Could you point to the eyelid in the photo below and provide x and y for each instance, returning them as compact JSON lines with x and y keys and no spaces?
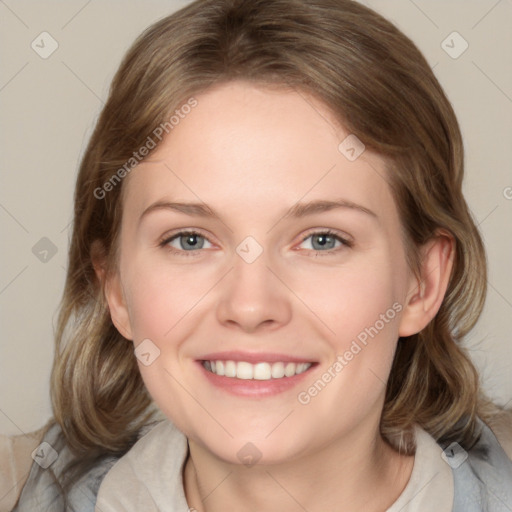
{"x":343,"y":237}
{"x":172,"y":235}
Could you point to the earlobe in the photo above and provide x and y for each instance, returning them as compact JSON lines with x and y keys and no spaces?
{"x":112,"y":289}
{"x":117,"y":305}
{"x":427,"y":293}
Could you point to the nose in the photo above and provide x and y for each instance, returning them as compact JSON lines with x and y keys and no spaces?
{"x":253,"y":298}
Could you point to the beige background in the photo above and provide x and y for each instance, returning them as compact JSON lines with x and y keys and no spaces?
{"x":48,"y":107}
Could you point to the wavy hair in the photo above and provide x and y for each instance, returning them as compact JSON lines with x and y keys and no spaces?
{"x":380,"y":87}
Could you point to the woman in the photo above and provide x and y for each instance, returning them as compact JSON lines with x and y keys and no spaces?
{"x":271,"y":245}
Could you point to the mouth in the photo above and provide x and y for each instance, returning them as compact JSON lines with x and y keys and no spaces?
{"x":257,"y":378}
{"x":262,"y":371}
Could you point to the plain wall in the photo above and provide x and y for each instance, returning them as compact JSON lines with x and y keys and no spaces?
{"x":48,"y":108}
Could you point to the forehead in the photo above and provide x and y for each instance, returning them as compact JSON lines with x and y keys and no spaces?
{"x":243,"y":145}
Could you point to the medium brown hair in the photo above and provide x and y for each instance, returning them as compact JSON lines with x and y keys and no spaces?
{"x":380,"y":88}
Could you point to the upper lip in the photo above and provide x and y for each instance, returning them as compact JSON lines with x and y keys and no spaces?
{"x":254,"y":357}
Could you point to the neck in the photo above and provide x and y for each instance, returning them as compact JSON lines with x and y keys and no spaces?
{"x":358,"y":472}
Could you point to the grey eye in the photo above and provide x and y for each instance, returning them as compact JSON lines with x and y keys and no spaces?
{"x":188,"y":241}
{"x":323,"y":241}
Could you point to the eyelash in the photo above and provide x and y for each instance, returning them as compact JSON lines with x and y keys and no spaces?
{"x":327,"y":232}
{"x":167,"y":239}
{"x":345,"y":243}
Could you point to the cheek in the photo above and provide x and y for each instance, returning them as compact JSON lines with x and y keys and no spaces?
{"x":362,"y":312}
{"x":161,"y":295}
{"x":367,"y":306}
{"x":349,"y":299}
{"x":360,"y":305}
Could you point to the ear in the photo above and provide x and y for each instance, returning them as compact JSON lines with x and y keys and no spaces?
{"x":426,"y":294}
{"x":113,"y":291}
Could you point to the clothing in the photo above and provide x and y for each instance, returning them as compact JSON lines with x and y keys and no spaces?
{"x":149,"y":478}
{"x":40,"y":492}
{"x":15,"y":464}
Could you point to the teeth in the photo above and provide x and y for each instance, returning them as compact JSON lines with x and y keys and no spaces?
{"x":230,"y":369}
{"x":277,"y":370}
{"x":259,"y":371}
{"x":262,"y":371}
{"x":244,"y":370}
{"x":289,"y":369}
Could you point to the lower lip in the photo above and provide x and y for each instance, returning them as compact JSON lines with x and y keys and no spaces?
{"x":254,"y":388}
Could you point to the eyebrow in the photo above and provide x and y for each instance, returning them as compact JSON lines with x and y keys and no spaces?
{"x":309,"y":208}
{"x":298,"y":210}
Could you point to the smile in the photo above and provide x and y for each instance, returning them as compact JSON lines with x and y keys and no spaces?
{"x":259,"y":371}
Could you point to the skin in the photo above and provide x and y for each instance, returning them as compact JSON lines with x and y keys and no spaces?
{"x":251,"y":153}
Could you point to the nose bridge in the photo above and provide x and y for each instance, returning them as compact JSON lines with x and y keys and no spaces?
{"x":252,"y":295}
{"x":251,"y":272}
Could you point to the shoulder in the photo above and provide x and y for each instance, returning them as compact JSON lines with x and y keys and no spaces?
{"x":15,"y":454}
{"x":501,"y":427}
{"x":42,"y":490}
{"x":483,"y":474}
{"x":145,"y":477}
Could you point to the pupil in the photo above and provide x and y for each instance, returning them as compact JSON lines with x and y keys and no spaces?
{"x":190,"y":241}
{"x":321,"y":241}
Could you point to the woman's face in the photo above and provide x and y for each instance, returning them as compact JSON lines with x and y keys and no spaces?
{"x":295,"y":265}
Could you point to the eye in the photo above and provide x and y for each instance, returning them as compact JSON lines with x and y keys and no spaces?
{"x":325,"y":241}
{"x":188,"y":241}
